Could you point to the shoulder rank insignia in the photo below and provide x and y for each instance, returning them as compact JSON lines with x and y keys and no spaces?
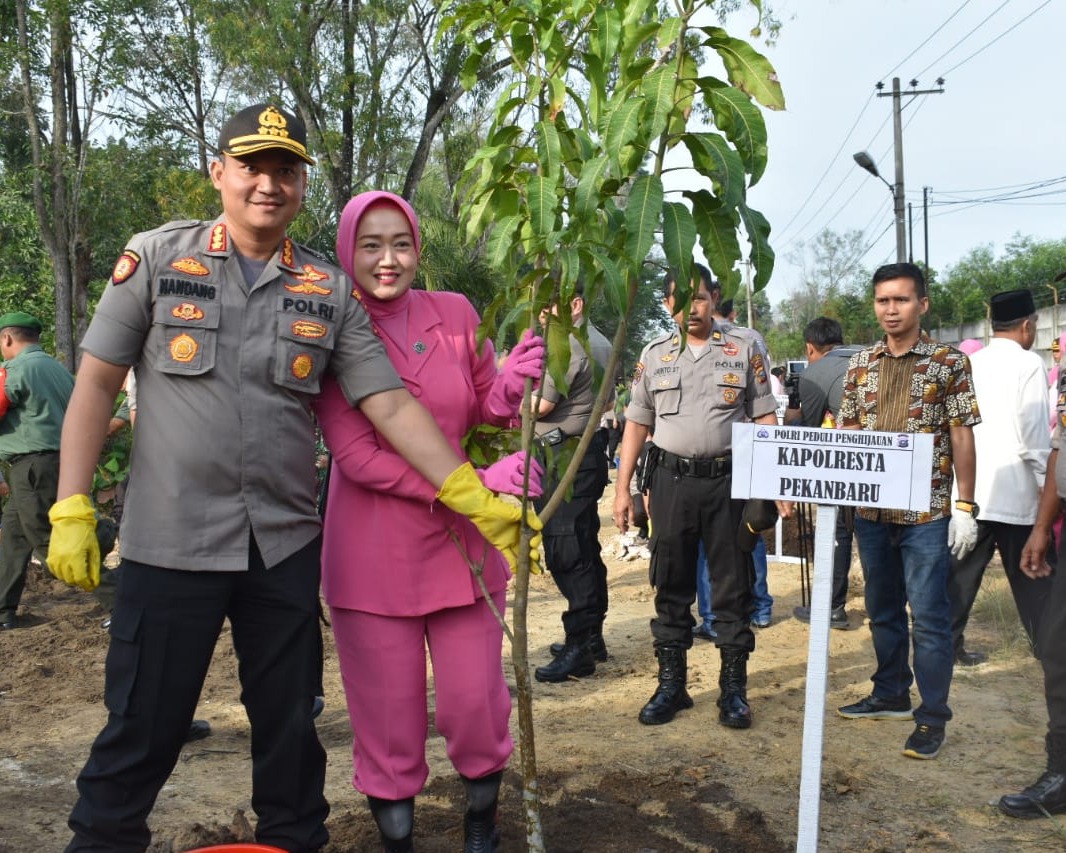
{"x":125,"y":266}
{"x":716,"y":335}
{"x":183,"y":348}
{"x":190,"y":266}
{"x":308,"y":329}
{"x":301,"y":366}
{"x":219,"y":239}
{"x":730,"y":395}
{"x":288,"y":256}
{"x":730,"y":348}
{"x":187,"y":311}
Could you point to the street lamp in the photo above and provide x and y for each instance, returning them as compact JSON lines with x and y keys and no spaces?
{"x":867,"y":162}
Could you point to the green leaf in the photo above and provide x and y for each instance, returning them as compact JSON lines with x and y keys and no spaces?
{"x":658,"y":89}
{"x":762,"y":256}
{"x":669,"y":30}
{"x":597,"y":87}
{"x":549,"y":151}
{"x":606,"y":30}
{"x":718,"y":236}
{"x":589,"y":186}
{"x":541,"y":198}
{"x":623,"y":126}
{"x":748,"y":70}
{"x":743,"y":124}
{"x":614,"y":282}
{"x":679,"y":236}
{"x":713,"y":158}
{"x":643,"y":209}
{"x":498,"y":248}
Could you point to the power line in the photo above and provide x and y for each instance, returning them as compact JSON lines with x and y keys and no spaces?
{"x":927,"y":40}
{"x":960,"y":41}
{"x":997,"y":38}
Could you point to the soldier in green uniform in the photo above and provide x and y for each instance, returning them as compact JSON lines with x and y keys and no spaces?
{"x":34,"y":392}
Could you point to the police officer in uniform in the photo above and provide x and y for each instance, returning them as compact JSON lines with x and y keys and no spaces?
{"x":34,"y":391}
{"x":571,"y":536}
{"x":231,"y":326}
{"x":690,"y":398}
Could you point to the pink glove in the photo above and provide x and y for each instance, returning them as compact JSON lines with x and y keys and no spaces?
{"x":525,"y":361}
{"x":506,"y":476}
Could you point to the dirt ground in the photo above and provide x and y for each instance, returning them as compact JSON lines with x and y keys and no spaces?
{"x":607,"y":783}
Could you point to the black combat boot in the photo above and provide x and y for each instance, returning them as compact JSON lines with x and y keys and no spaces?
{"x":575,"y":660}
{"x":596,"y":645}
{"x":396,"y":823}
{"x":480,"y":833}
{"x":733,"y":680}
{"x":671,"y":695}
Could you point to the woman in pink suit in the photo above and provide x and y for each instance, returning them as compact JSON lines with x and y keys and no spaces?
{"x":395,"y":570}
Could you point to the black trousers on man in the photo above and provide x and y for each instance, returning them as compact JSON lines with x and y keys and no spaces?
{"x":684,"y":510}
{"x":572,"y":543}
{"x":1052,"y":644}
{"x":163,"y":633}
{"x":33,"y":479}
{"x":964,"y":580}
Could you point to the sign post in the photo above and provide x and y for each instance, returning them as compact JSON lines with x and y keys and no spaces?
{"x":831,"y":468}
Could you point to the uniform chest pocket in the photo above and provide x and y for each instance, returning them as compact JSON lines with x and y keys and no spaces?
{"x":186,"y":335}
{"x":667,"y":390}
{"x":303,"y":350}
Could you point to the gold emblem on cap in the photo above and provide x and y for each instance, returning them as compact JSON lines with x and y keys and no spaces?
{"x":273,"y":123}
{"x":183,"y":348}
{"x":301,"y":366}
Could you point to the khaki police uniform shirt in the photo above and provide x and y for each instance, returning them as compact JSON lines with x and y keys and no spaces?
{"x":1058,"y":435}
{"x":691,"y":400}
{"x":584,"y":375}
{"x":224,"y":443}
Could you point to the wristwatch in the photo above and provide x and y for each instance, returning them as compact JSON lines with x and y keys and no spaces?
{"x":968,"y":506}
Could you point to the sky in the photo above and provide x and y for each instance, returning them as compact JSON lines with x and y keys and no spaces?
{"x":998,"y":128}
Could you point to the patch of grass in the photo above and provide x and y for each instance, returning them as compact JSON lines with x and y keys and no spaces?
{"x":995,"y":617}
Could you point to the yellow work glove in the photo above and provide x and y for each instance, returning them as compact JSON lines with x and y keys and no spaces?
{"x":499,"y":522}
{"x":73,"y":551}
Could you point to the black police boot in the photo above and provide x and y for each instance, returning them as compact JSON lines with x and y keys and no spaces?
{"x":480,"y":833}
{"x":596,"y":645}
{"x":733,"y":681}
{"x":671,"y":696}
{"x":396,"y":823}
{"x":574,"y":661}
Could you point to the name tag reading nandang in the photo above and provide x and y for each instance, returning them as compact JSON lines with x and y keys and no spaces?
{"x":890,"y":470}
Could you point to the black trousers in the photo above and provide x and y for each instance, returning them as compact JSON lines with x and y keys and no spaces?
{"x":845,"y":536}
{"x":572,"y":544}
{"x":964,"y":580}
{"x":685,"y":510}
{"x":1052,"y":644}
{"x":163,"y":633}
{"x":33,"y":479}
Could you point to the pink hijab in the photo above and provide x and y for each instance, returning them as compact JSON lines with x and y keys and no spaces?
{"x":970,"y":346}
{"x":349,"y":225}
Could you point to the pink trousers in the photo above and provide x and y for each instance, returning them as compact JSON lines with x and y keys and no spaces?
{"x":383,"y":666}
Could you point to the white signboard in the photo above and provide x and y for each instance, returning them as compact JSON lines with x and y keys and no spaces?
{"x":890,"y":470}
{"x":828,"y":467}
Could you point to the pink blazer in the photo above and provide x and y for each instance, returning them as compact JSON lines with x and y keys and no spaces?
{"x":387,"y":548}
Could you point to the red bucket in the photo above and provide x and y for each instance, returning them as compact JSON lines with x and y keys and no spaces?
{"x":238,"y":848}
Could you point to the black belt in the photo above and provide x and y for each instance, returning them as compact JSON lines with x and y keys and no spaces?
{"x":718,"y":466}
{"x":18,"y":457}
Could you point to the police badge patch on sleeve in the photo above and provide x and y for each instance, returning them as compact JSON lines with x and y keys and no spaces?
{"x":125,"y":266}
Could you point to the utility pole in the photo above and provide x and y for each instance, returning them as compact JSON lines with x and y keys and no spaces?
{"x":897,"y":189}
{"x":925,"y":223}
